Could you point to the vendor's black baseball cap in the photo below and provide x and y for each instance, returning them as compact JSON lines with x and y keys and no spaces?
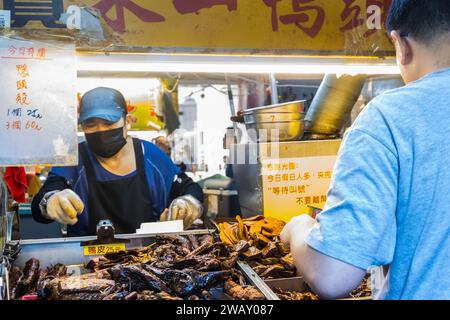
{"x":104,"y":103}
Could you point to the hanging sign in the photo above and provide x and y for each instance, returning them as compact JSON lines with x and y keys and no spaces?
{"x":322,"y":27}
{"x":38,"y":116}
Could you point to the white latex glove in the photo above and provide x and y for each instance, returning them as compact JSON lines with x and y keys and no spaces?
{"x":185,"y":208}
{"x":297,"y":229}
{"x":64,"y":207}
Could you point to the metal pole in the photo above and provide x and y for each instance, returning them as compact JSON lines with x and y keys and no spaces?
{"x":273,"y":89}
{"x":231,"y":103}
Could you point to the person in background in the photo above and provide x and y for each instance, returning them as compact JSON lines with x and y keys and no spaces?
{"x":388,"y":203}
{"x":228,"y":139}
{"x":163,"y":143}
{"x":119,"y":178}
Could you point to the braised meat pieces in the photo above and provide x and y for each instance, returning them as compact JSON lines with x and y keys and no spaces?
{"x":172,"y":268}
{"x":257,"y":241}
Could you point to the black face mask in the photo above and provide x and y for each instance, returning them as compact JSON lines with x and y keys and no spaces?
{"x":106,"y":144}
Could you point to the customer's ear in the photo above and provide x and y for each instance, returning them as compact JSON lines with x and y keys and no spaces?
{"x":403,"y":48}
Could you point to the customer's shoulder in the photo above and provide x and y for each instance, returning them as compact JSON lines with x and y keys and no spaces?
{"x":411,"y":97}
{"x":393,"y":106}
{"x":393,"y":98}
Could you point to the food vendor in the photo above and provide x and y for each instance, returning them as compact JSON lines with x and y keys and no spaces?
{"x":388,"y":203}
{"x":120,"y":178}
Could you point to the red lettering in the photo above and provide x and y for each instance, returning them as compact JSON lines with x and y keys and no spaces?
{"x":118,"y":24}
{"x":273,"y":5}
{"x":353,"y":11}
{"x":301,"y":18}
{"x":184,"y":7}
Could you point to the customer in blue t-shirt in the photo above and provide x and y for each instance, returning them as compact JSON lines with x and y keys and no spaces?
{"x":119,"y":178}
{"x":389,"y":200}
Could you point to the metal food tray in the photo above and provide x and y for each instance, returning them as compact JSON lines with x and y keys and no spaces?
{"x":287,"y":284}
{"x":267,"y":286}
{"x":68,"y":251}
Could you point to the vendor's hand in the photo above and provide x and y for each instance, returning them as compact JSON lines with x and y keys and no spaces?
{"x":185,"y":208}
{"x":297,"y":229}
{"x":64,"y":207}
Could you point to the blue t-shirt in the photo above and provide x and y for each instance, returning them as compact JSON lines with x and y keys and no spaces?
{"x":389,"y":199}
{"x":159,"y":168}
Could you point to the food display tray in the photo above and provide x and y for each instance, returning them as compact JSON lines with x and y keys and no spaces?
{"x":69,"y":251}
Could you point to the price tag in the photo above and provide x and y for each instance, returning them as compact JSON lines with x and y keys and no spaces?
{"x":103,"y":249}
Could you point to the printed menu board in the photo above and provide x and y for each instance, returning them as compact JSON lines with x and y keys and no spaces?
{"x":38,"y":106}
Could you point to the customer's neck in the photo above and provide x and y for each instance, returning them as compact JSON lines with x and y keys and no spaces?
{"x":434,"y":58}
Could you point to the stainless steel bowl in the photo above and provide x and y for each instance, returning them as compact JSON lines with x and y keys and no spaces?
{"x":288,"y":107}
{"x":275,"y":131}
{"x":273,"y":117}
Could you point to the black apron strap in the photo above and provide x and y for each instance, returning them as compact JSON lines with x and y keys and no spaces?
{"x":82,"y":149}
{"x":125,"y":201}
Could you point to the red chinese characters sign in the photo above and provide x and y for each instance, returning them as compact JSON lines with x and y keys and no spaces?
{"x":311,"y":25}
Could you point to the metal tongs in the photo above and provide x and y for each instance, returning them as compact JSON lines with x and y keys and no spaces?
{"x":9,"y":251}
{"x":5,"y":214}
{"x":4,"y":280}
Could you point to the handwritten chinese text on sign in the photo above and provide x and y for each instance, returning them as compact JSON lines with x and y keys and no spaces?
{"x":38,"y":116}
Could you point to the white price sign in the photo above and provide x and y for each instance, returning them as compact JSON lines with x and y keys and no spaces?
{"x":38,"y":116}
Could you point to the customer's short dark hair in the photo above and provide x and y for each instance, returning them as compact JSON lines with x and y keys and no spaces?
{"x":423,"y":20}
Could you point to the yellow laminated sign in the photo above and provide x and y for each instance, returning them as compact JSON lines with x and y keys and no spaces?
{"x":103,"y":249}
